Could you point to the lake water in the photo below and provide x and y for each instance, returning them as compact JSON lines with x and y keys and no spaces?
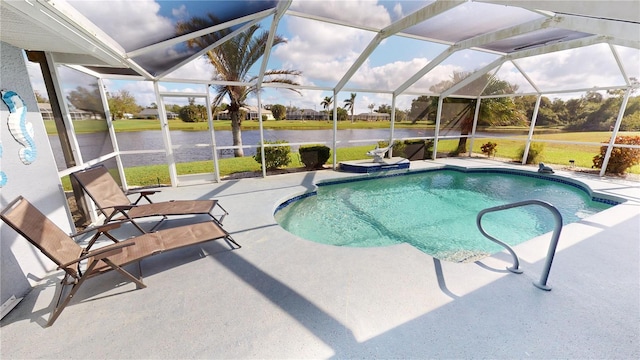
{"x":97,"y":144}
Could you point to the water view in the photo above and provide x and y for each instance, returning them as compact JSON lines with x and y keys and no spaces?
{"x":93,"y":145}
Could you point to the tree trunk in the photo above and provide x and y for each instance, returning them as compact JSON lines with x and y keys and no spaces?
{"x":236,"y":121}
{"x":465,"y":129}
{"x":462,"y":145}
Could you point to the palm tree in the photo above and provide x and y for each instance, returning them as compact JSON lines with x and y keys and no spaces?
{"x":232,"y":61}
{"x":349,"y":104}
{"x":328,"y":100}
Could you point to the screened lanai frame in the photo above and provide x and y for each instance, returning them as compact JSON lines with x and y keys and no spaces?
{"x":532,"y":32}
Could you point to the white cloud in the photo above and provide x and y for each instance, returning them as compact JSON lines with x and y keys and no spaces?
{"x":141,"y":90}
{"x":397,"y":10}
{"x":322,"y":51}
{"x":630,"y":60}
{"x":199,"y":69}
{"x":513,"y":76}
{"x":72,"y":78}
{"x":573,"y":69}
{"x":123,"y":19}
{"x":35,"y":77}
{"x":389,"y":76}
{"x":435,"y":76}
{"x":180,"y":12}
{"x":360,"y":12}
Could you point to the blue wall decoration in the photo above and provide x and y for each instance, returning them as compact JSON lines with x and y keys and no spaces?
{"x":20,"y":129}
{"x":3,"y":176}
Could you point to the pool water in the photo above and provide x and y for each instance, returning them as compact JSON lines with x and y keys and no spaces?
{"x":434,"y":211}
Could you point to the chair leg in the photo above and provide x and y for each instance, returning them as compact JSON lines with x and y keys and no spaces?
{"x":153,"y":229}
{"x":138,"y":226}
{"x":225,"y":213}
{"x":229,"y":238}
{"x":127,"y":217}
{"x":139,"y":272}
{"x":59,"y":307}
{"x":125,"y":273}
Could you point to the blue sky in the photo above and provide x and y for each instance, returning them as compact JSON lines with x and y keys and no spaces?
{"x":324,"y":52}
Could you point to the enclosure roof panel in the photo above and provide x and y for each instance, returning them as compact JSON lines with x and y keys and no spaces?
{"x":154,"y":38}
{"x":144,"y":23}
{"x":471,"y":19}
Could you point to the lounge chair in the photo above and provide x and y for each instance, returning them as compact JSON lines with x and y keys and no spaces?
{"x":116,"y":205}
{"x":34,"y":226}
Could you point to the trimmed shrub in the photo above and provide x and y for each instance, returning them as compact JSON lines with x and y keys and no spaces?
{"x":275,"y":156}
{"x":534,"y":155}
{"x":621,"y":158}
{"x":314,"y":156}
{"x":489,"y":149}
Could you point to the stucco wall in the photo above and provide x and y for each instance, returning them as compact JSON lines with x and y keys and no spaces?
{"x":21,"y":265}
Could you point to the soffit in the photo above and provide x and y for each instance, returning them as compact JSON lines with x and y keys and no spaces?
{"x":27,"y":33}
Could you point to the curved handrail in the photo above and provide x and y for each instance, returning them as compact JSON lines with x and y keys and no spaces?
{"x":542,"y":284}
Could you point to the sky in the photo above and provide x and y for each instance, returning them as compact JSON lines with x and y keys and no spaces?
{"x":323,"y":52}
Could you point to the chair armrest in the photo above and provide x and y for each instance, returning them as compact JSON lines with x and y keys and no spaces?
{"x":99,"y":228}
{"x":117,"y":208}
{"x":100,"y":253}
{"x":122,"y":207}
{"x":142,"y":194}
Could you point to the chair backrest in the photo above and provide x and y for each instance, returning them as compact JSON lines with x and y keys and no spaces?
{"x":34,"y":226}
{"x":101,"y":187}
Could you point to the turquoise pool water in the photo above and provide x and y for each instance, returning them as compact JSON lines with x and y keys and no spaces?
{"x":435,"y":211}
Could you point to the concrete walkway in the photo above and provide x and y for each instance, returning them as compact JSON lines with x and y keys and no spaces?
{"x":280,"y":296}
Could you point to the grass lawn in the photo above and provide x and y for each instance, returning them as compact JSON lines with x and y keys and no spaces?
{"x":560,"y":154}
{"x":555,"y":154}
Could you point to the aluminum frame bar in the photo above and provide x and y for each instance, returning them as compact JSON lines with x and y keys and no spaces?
{"x":192,"y":35}
{"x":422,"y":14}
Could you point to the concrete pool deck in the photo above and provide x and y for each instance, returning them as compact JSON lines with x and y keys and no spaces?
{"x":280,"y":296}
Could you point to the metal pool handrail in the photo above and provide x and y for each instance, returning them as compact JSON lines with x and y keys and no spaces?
{"x":542,"y":284}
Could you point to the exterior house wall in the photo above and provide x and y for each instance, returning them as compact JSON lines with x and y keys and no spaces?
{"x":250,"y":113}
{"x":306,"y":114}
{"x":253,"y":115}
{"x":373,"y":116}
{"x":21,"y":264}
{"x":153,"y":114}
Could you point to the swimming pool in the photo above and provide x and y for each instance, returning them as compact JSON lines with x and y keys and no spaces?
{"x":435,"y":210}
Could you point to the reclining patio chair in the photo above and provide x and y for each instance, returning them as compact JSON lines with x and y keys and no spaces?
{"x":34,"y":226}
{"x":116,"y":205}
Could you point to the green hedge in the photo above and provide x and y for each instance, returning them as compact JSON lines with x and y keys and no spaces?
{"x":314,"y":156}
{"x":275,"y":156}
